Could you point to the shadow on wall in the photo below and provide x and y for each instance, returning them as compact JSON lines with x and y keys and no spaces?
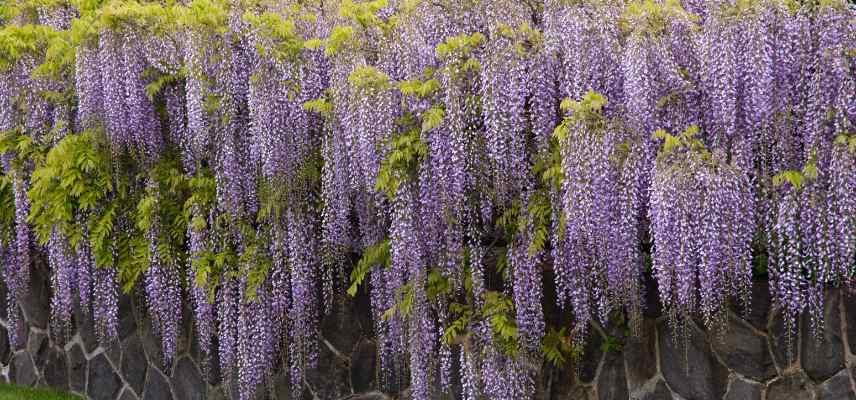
{"x":748,"y":361}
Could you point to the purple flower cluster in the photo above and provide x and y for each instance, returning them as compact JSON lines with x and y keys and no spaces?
{"x":469,"y":136}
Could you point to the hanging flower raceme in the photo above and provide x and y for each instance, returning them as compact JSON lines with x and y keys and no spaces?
{"x":504,"y":86}
{"x":305,"y":309}
{"x":63,"y":282}
{"x":702,"y":225}
{"x":162,"y":282}
{"x":584,"y":38}
{"x":252,"y":151}
{"x":597,"y":262}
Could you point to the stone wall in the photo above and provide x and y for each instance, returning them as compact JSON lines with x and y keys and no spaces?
{"x":748,"y":361}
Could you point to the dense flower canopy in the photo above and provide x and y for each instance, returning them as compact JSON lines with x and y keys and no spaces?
{"x":451,"y":160}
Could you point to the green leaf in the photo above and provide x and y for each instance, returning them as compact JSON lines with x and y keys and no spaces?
{"x":375,"y":255}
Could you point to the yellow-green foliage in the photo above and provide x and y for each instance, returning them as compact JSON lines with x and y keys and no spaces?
{"x":649,"y":17}
{"x":7,"y":210}
{"x":401,"y":163}
{"x":17,"y":42}
{"x":283,"y":42}
{"x":499,"y":312}
{"x":375,"y":255}
{"x":798,"y":178}
{"x":369,"y":78}
{"x":75,"y":177}
{"x":460,"y":46}
{"x":558,"y":346}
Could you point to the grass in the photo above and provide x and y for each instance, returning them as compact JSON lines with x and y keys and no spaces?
{"x":10,"y":392}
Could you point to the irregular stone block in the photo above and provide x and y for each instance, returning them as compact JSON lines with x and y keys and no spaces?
{"x":157,"y":387}
{"x":655,"y":391}
{"x":592,"y":354}
{"x":640,"y":355}
{"x":77,"y":369}
{"x":690,"y":368}
{"x":836,"y":388}
{"x":5,"y":350}
{"x":36,"y":303}
{"x":652,"y":307}
{"x":740,"y":389}
{"x":127,"y":320}
{"x":849,"y":304}
{"x":128,"y":394}
{"x":782,"y":343}
{"x":56,"y":370}
{"x":367,"y":396}
{"x":789,"y":387}
{"x":187,"y":381}
{"x":611,"y":382}
{"x":744,"y":351}
{"x":103,"y":383}
{"x":330,"y":379}
{"x":37,"y":346}
{"x":363,"y":359}
{"x":134,"y":364}
{"x":822,"y":357}
{"x":23,"y":370}
{"x":758,"y":314}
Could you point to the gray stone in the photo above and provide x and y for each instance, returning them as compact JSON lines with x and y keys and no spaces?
{"x":103,"y":383}
{"x":87,"y":334}
{"x":782,"y":342}
{"x":114,"y":353}
{"x":187,"y":381}
{"x":183,"y":342}
{"x":56,"y":370}
{"x":23,"y":332}
{"x":5,"y":351}
{"x":744,"y":351}
{"x":657,"y":391}
{"x":217,"y":394}
{"x":611,"y":383}
{"x":37,"y":346}
{"x":367,"y":396}
{"x":23,"y":371}
{"x":850,"y":318}
{"x":743,"y":390}
{"x":151,"y":343}
{"x":653,"y":309}
{"x":128,"y":394}
{"x":36,"y":303}
{"x":640,"y":355}
{"x":127,"y":320}
{"x":344,"y":328}
{"x":759,"y":305}
{"x":592,"y":354}
{"x":789,"y":387}
{"x":363,"y":366}
{"x":157,"y":387}
{"x":578,"y":393}
{"x":134,"y":365}
{"x":195,"y":349}
{"x":3,"y":310}
{"x":836,"y":388}
{"x":689,"y":367}
{"x":76,"y":369}
{"x":281,"y":386}
{"x":824,"y":356}
{"x":330,"y":379}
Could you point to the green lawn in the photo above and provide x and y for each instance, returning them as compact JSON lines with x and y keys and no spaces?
{"x":9,"y":392}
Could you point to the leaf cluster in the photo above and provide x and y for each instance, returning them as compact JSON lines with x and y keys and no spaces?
{"x":74,"y":178}
{"x":407,"y":151}
{"x":375,"y":255}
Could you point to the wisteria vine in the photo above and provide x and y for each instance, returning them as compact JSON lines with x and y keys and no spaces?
{"x":451,"y":161}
